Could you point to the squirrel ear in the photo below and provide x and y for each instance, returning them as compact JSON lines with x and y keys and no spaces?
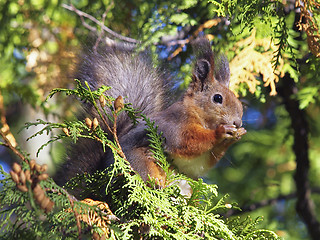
{"x":201,"y":71}
{"x":204,"y":67}
{"x":222,"y":71}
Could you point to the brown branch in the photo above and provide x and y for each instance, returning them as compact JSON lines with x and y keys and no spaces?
{"x":8,"y":144}
{"x":304,"y":205}
{"x":7,"y":136}
{"x":266,"y":202}
{"x":3,"y":119}
{"x":101,"y":25}
{"x":105,"y":122}
{"x":100,"y":35}
{"x":115,"y":135}
{"x":75,"y":214}
{"x":208,"y":24}
{"x":257,"y":205}
{"x":93,"y":19}
{"x":113,"y":131}
{"x":308,"y":23}
{"x":86,"y":25}
{"x":120,"y":152}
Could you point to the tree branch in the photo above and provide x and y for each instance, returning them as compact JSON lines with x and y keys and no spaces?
{"x":76,"y":215}
{"x":5,"y":133}
{"x":93,"y":19}
{"x":102,"y":24}
{"x":266,"y":202}
{"x":304,"y":205}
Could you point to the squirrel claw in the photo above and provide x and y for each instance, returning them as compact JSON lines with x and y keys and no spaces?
{"x":230,"y":132}
{"x":241,"y":131}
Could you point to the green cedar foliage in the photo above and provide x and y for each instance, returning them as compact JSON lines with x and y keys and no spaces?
{"x":269,"y":171}
{"x":141,"y":209}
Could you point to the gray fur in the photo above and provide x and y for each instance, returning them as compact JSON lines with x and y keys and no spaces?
{"x":131,"y":76}
{"x":222,"y":71}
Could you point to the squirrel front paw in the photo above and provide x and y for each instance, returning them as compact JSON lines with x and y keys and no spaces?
{"x":229,"y":132}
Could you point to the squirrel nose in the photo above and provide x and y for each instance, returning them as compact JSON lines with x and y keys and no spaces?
{"x":238,"y":123}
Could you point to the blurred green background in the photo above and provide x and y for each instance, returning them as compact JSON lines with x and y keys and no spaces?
{"x":39,"y":41}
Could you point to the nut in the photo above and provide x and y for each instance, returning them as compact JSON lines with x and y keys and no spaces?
{"x":44,"y":168}
{"x":66,"y":131}
{"x":16,"y":167}
{"x":37,"y":168}
{"x":37,"y":189}
{"x":22,"y":188}
{"x":95,"y":123}
{"x":32,"y":164}
{"x":102,"y":100}
{"x":40,"y":196}
{"x":43,"y":176}
{"x":49,"y":207}
{"x":28,"y":175}
{"x":118,"y":104}
{"x":44,"y":203}
{"x":88,"y":122}
{"x":23,"y":177}
{"x":14,"y":177}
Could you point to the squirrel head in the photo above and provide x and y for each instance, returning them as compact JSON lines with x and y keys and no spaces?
{"x":209,"y":92}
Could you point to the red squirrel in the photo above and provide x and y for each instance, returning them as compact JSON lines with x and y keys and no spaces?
{"x":198,"y":128}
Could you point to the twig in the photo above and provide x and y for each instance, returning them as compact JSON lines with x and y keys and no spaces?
{"x":120,"y":152}
{"x":93,"y":19}
{"x":112,"y":131}
{"x":9,"y":145}
{"x":2,"y":111}
{"x":100,"y":35}
{"x":266,"y":202}
{"x":92,"y":29}
{"x":75,"y":214}
{"x":115,"y":135}
{"x":7,"y":136}
{"x":308,"y":23}
{"x":70,"y":196}
{"x":101,"y":25}
{"x":208,"y":24}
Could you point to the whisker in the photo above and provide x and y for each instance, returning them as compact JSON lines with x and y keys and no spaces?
{"x":229,"y":161}
{"x":252,"y":119}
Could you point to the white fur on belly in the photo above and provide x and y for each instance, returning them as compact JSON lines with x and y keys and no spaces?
{"x":194,"y":167}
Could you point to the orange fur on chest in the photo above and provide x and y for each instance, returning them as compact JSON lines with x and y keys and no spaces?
{"x":196,"y":140}
{"x":199,"y":151}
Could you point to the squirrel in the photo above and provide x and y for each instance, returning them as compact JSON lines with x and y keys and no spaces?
{"x":198,"y":128}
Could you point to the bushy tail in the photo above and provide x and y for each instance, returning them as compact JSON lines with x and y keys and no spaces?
{"x":129,"y":75}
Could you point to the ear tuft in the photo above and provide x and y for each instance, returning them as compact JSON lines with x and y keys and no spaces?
{"x":204,"y":65}
{"x":202,"y":70}
{"x":222,"y":71}
{"x":202,"y":50}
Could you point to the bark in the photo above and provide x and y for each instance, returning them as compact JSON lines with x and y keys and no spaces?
{"x":299,"y":124}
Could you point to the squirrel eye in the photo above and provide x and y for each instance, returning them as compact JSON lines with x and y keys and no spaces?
{"x":217,"y":98}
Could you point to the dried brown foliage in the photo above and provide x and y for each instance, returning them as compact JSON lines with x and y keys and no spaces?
{"x":308,"y":23}
{"x":103,"y":222}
